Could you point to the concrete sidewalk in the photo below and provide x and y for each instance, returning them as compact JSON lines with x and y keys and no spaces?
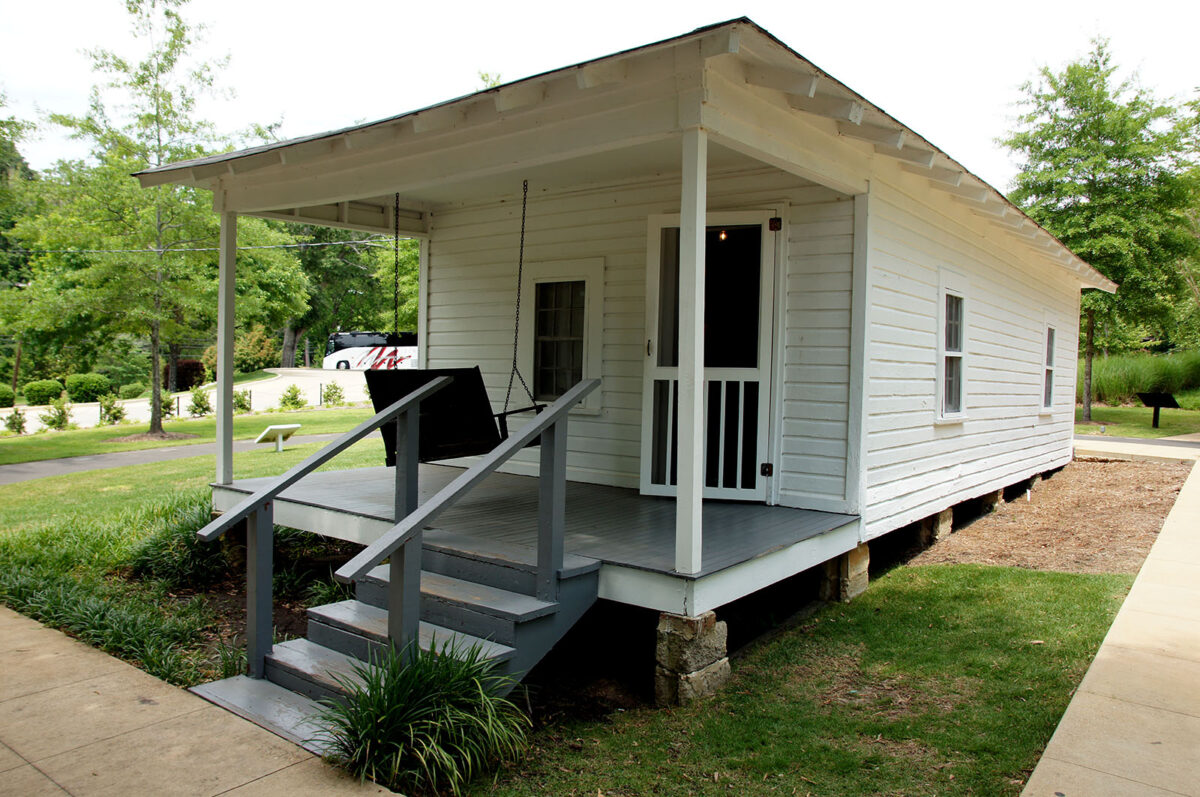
{"x":1183,"y":449}
{"x":76,"y":721}
{"x":24,"y":471}
{"x":1133,"y":727}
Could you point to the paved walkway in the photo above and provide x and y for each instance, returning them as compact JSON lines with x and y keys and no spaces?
{"x":1133,"y":727}
{"x":1185,"y":448}
{"x":76,"y":721}
{"x":23,"y":471}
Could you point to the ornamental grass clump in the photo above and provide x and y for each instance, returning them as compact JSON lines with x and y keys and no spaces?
{"x":431,"y":723}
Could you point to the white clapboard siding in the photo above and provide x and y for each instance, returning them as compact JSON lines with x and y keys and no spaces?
{"x":916,"y":465}
{"x":472,"y":282}
{"x":816,"y":356}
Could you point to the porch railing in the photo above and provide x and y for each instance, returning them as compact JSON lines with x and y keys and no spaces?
{"x":258,"y":513}
{"x":402,"y":543}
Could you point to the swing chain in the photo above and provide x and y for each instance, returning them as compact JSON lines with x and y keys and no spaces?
{"x":396,"y":273}
{"x":517,"y":314}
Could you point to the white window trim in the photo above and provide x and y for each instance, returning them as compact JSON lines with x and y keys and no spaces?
{"x":591,"y":272}
{"x":950,"y":283}
{"x":1048,"y":353}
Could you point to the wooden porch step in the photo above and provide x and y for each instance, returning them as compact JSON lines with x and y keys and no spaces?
{"x":310,"y":669}
{"x":500,"y":603}
{"x":485,"y":549}
{"x":359,"y":630}
{"x":271,"y":706}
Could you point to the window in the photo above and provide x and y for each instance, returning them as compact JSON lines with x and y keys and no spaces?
{"x":1048,"y":385}
{"x":558,"y":338}
{"x":560,"y":344}
{"x":951,"y":347}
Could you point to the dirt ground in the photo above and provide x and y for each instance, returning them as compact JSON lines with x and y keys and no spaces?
{"x":1094,"y":516}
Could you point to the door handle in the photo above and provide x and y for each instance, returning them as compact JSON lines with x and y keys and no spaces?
{"x":648,"y":347}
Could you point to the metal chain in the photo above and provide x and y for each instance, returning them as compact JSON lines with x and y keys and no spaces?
{"x":517,"y":314}
{"x":396,"y":281}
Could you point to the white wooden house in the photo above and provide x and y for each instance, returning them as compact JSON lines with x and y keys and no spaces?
{"x":876,"y":334}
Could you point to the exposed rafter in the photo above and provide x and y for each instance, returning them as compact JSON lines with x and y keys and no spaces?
{"x":439,"y":118}
{"x":845,"y":110}
{"x":604,"y":73}
{"x":798,"y":84}
{"x":521,"y":95}
{"x":938,"y":174}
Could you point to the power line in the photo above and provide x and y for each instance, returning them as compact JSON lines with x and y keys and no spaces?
{"x":380,"y":242}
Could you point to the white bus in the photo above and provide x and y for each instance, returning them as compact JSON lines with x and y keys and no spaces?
{"x":366,"y":351}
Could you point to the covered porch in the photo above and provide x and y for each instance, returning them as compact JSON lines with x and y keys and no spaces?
{"x":746,"y":546}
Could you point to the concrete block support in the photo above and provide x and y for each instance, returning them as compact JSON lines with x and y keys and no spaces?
{"x":937,"y":527}
{"x":992,"y":500}
{"x":690,"y":658}
{"x":846,"y":576}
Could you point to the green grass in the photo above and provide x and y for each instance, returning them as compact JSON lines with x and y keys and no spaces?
{"x":1136,"y":421}
{"x":1118,"y":379}
{"x":84,"y":442}
{"x":69,"y":544}
{"x":938,"y":680}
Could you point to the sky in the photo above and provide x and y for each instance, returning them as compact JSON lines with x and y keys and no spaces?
{"x":951,"y":71}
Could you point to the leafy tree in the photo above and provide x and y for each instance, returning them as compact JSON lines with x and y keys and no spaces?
{"x":1106,"y":170}
{"x":140,"y":261}
{"x":14,"y":172}
{"x":387,"y":265}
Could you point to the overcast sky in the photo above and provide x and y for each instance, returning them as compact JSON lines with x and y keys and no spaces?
{"x":949,"y":70}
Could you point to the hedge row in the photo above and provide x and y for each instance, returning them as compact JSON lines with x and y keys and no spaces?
{"x":1119,"y":378}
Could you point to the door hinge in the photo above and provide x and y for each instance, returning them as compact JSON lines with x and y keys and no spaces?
{"x":774,"y":224}
{"x":766,"y":469}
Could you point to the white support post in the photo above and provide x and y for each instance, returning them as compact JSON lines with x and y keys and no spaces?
{"x":227,"y":265}
{"x":692,"y":223}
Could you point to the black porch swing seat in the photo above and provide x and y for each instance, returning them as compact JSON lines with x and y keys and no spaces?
{"x":457,"y":421}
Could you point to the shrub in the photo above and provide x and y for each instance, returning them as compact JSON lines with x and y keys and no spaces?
{"x":200,"y":404}
{"x":43,"y":391}
{"x":110,"y":411}
{"x":167,"y":405}
{"x":292,"y":399}
{"x":57,"y":416}
{"x":1117,"y":379}
{"x":7,"y":396}
{"x":332,"y":395}
{"x":132,"y":390}
{"x":255,"y":350}
{"x":188,"y":374}
{"x":429,"y":720}
{"x":15,"y":422}
{"x":87,"y":387}
{"x":176,"y":556}
{"x":241,"y":400}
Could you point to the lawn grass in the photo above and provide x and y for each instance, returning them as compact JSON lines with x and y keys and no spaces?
{"x":938,"y":680}
{"x":1136,"y":421}
{"x":97,"y":440}
{"x":66,"y":543}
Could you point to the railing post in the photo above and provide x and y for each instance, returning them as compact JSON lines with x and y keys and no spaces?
{"x":404,"y":595}
{"x":552,"y":504}
{"x":408,"y":448}
{"x":260,"y":626}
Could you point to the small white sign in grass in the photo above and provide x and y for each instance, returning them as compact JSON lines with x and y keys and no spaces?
{"x":277,"y":433}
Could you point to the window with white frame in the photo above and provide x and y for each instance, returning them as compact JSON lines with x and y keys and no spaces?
{"x":1048,"y":384}
{"x":952,"y":338}
{"x":561,"y":345}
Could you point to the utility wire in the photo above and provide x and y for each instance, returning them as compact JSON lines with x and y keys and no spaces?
{"x":380,"y":242}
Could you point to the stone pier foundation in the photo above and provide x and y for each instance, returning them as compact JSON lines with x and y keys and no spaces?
{"x":845,"y":576}
{"x":937,"y":527}
{"x":691,"y":661}
{"x":992,"y":500}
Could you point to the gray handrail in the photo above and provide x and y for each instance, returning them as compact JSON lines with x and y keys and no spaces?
{"x":407,"y":527}
{"x":244,"y":508}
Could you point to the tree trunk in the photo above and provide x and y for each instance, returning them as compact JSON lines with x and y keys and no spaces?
{"x":155,"y":380}
{"x":287,"y":358}
{"x":16,"y":365}
{"x":1088,"y":353}
{"x":307,"y":353}
{"x":173,"y":352}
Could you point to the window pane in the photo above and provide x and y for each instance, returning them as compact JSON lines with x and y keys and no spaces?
{"x":1050,"y":347}
{"x":1048,"y":393}
{"x":953,"y":322}
{"x":558,"y":337}
{"x":952,"y":402}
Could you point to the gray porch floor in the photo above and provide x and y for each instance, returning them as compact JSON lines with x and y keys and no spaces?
{"x":613,"y":524}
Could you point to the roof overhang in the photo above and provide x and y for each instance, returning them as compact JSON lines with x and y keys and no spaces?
{"x":599,"y":117}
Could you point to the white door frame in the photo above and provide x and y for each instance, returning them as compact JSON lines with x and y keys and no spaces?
{"x":652,"y":371}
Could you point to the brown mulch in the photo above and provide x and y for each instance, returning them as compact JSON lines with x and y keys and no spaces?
{"x":137,"y":438}
{"x":1094,"y":516}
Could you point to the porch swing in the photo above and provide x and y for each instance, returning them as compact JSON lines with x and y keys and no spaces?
{"x":459,"y":421}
